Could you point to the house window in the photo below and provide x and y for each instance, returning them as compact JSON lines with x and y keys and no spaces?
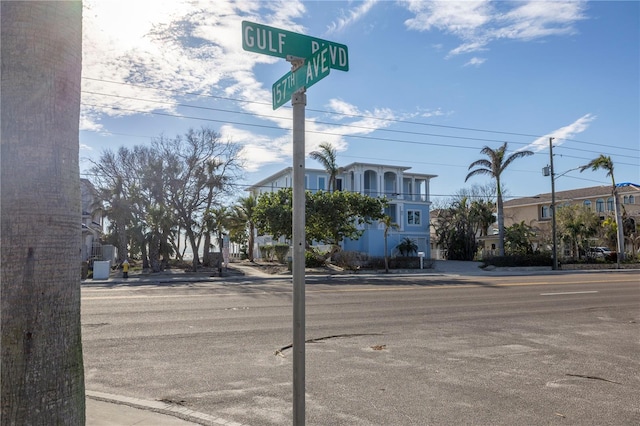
{"x":545,"y":212}
{"x":338,"y":184}
{"x":599,"y":205}
{"x":390,"y":211}
{"x":610,"y":204}
{"x":413,"y":217}
{"x":322,"y":183}
{"x":629,"y":199}
{"x":587,"y":204}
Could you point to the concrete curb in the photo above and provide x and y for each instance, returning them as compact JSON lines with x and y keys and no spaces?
{"x":160,"y":407}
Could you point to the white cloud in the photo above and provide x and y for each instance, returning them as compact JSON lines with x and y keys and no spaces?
{"x":479,"y":23}
{"x":475,"y":61}
{"x":352,"y":15}
{"x":561,"y":134}
{"x":169,"y":48}
{"x":150,"y":57}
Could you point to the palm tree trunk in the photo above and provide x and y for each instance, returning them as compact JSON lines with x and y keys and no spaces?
{"x":620,"y":226}
{"x":500,"y":224}
{"x":42,"y":372}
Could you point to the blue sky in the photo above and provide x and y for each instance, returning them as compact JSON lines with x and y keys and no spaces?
{"x":429,"y":84}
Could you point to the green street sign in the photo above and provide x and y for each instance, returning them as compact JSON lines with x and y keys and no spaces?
{"x":272,"y":41}
{"x":314,"y":69}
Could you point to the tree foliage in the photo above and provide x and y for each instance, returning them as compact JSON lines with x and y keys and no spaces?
{"x":151,"y":192}
{"x":330,"y":216}
{"x":407,"y":246}
{"x":455,"y":231}
{"x":326,"y":156}
{"x":576,"y":224}
{"x":459,"y":226}
{"x":518,"y":239}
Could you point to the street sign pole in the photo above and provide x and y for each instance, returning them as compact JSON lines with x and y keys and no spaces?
{"x":311,"y":59}
{"x":298,"y":101}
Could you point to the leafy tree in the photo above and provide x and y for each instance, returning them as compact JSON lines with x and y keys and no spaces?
{"x":42,"y":371}
{"x":482,"y":216}
{"x":576,"y":224}
{"x":199,"y":168}
{"x":494,"y":166}
{"x":330,"y":216}
{"x":407,"y":246}
{"x":605,"y":163}
{"x":333,"y":216}
{"x":274,"y":213}
{"x":518,"y":239}
{"x":455,"y":231}
{"x":326,"y":156}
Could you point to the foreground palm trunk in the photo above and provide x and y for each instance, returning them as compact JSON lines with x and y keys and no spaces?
{"x":42,"y":370}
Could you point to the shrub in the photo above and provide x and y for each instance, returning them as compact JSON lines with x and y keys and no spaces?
{"x":281,"y":251}
{"x":520,"y":260}
{"x":407,"y":246}
{"x":350,"y":259}
{"x":267,"y":252}
{"x":313,"y":259}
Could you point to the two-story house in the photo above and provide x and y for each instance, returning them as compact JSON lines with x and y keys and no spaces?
{"x":407,"y":193}
{"x":536,"y":211}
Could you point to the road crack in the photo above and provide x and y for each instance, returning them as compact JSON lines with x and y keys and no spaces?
{"x":280,"y":352}
{"x":583,"y":376}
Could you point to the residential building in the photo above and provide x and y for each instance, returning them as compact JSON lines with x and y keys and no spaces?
{"x":536,"y":211}
{"x":407,"y":193}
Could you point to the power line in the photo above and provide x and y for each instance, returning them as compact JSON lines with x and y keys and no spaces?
{"x":348,"y":115}
{"x":372,"y":138}
{"x":332,"y":124}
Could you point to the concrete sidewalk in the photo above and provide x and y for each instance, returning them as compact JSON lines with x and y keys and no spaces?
{"x":104,"y":409}
{"x":102,"y":413}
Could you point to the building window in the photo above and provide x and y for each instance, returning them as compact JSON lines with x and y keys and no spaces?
{"x":390,"y":211}
{"x":599,"y":205}
{"x":545,"y":212}
{"x":587,"y":204}
{"x":322,"y":183}
{"x":338,"y":184}
{"x":413,"y":217}
{"x":629,"y":199}
{"x":610,"y":204}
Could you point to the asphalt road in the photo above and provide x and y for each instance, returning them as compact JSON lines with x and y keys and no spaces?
{"x":439,"y":350}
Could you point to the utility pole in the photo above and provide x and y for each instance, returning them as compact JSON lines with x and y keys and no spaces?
{"x":554,"y":249}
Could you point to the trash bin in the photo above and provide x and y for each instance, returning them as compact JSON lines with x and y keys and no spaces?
{"x":101,"y":269}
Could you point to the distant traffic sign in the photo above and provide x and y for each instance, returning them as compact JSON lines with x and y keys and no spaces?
{"x":314,"y":69}
{"x":272,"y":41}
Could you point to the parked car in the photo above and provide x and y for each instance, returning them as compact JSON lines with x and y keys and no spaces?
{"x":599,"y":252}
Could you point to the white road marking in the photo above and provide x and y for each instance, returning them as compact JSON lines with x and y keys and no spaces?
{"x":568,"y":292}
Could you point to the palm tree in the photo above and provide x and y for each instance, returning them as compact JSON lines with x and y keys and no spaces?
{"x":327,"y":157}
{"x":388,"y":225}
{"x":245,"y":211}
{"x":40,"y":216}
{"x":494,"y":166}
{"x":217,"y":220}
{"x":605,"y":163}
